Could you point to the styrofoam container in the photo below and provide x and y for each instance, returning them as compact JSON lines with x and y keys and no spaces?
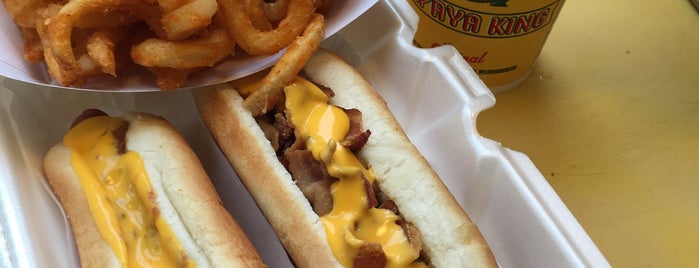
{"x":434,"y":94}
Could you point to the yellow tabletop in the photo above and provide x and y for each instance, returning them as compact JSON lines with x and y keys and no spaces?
{"x":610,"y":116}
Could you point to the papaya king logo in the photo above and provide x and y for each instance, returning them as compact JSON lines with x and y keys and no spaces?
{"x":495,"y":3}
{"x":488,"y":25}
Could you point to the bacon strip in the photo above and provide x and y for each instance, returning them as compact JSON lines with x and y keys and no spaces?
{"x":356,"y":137}
{"x":312,"y":178}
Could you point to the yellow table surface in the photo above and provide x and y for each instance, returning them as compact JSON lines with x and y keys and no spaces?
{"x":610,"y":116}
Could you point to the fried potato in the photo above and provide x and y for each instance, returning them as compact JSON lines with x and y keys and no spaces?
{"x":79,"y":39}
{"x":188,"y":19}
{"x":201,"y":52}
{"x":286,"y":69}
{"x":100,"y":47}
{"x":257,"y":42}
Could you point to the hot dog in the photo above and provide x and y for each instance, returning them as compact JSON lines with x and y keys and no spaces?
{"x":337,"y":177}
{"x":136,"y":195}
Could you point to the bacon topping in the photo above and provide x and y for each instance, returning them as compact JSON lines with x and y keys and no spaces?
{"x":271,"y":133}
{"x":413,"y":235}
{"x":371,"y":190}
{"x":312,"y":178}
{"x":356,"y":138}
{"x":370,"y":255}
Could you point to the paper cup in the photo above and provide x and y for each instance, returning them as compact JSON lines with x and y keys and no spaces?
{"x":500,"y":39}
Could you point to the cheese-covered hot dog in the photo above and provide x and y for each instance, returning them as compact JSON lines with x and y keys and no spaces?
{"x":337,"y":177}
{"x":136,"y":195}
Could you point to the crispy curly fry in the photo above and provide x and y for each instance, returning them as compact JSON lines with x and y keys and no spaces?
{"x":116,"y":18}
{"x":188,"y":19}
{"x":88,"y":67}
{"x":33,"y":49}
{"x":171,"y":5}
{"x":203,"y":52}
{"x":256,"y":13}
{"x":61,"y":26}
{"x":100,"y":47}
{"x":256,"y":42}
{"x":288,"y":66}
{"x":23,"y":12}
{"x":55,"y":69}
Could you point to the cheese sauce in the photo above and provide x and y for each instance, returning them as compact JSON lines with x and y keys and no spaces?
{"x":119,"y":197}
{"x":351,"y":223}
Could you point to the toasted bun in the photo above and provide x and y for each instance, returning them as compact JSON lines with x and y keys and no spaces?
{"x":252,"y":157}
{"x":182,"y":191}
{"x":450,"y":238}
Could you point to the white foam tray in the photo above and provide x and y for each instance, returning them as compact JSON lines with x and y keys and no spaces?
{"x":434,"y":94}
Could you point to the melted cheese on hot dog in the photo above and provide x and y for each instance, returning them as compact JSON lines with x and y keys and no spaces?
{"x":351,"y":223}
{"x":119,"y":196}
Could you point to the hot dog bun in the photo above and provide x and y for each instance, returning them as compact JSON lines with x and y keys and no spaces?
{"x":270,"y":184}
{"x":449,"y":237}
{"x":181,"y":190}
